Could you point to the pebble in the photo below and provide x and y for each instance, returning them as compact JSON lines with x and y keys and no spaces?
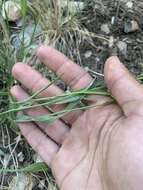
{"x":88,"y":54}
{"x":20,"y":156}
{"x":131,"y":26}
{"x":42,"y":184}
{"x":113,"y":20}
{"x":129,"y":4}
{"x":122,"y":46}
{"x":105,"y":28}
{"x":11,"y":10}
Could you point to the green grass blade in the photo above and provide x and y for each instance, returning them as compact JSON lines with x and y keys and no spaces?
{"x":41,"y":90}
{"x":61,"y":99}
{"x":24,"y":6}
{"x":54,"y":116}
{"x":33,"y":168}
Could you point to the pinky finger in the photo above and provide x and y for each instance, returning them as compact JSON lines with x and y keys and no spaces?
{"x":43,"y":145}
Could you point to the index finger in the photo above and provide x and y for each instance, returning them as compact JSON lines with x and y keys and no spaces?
{"x":71,"y":73}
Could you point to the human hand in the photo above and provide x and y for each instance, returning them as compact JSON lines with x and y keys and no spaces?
{"x":101,"y":148}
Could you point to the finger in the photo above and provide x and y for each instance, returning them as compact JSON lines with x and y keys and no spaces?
{"x":127,"y":91}
{"x":71,"y":73}
{"x":44,"y":146}
{"x":34,"y":81}
{"x":56,"y":131}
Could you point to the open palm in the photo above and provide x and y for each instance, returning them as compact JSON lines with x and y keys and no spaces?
{"x":98,"y":149}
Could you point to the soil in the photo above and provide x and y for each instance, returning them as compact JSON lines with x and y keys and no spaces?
{"x":98,"y":14}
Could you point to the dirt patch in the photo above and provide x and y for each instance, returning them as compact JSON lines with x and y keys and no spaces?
{"x":117,"y":18}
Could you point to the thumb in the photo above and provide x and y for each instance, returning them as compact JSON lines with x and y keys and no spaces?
{"x":123,"y":86}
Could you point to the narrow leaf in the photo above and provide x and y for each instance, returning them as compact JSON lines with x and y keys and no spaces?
{"x":33,"y":168}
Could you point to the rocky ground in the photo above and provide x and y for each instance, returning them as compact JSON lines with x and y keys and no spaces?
{"x":122,"y":21}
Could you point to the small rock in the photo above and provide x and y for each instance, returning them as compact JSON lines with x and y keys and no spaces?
{"x":129,"y":4}
{"x":41,"y":184}
{"x":20,"y":157}
{"x":88,"y":54}
{"x":97,"y":59}
{"x":131,"y":26}
{"x":122,"y":46}
{"x":105,"y":28}
{"x":113,"y":20}
{"x":11,"y":10}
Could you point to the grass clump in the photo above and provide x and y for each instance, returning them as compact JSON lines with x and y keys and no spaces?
{"x":61,"y":26}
